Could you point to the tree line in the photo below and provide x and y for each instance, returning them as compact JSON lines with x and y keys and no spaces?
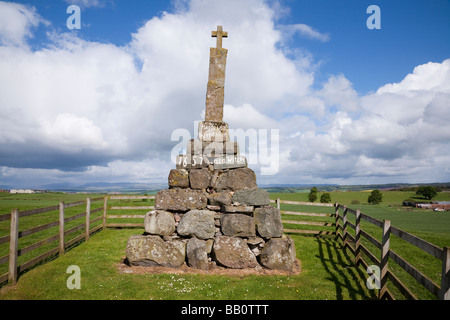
{"x":375,"y":197}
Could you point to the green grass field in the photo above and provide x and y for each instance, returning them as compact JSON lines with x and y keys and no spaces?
{"x":425,"y":223}
{"x":328,"y":272}
{"x":429,"y":225}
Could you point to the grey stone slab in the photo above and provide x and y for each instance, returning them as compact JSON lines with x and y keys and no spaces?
{"x":232,"y":252}
{"x":251,"y":197}
{"x":238,"y":225}
{"x":213,"y":131}
{"x":197,"y":223}
{"x":159,"y":222}
{"x":238,"y":208}
{"x":180,"y":199}
{"x":279,"y":254}
{"x":230,"y":162}
{"x":150,"y":250}
{"x":236,"y":179}
{"x":178,"y":178}
{"x":268,"y":222}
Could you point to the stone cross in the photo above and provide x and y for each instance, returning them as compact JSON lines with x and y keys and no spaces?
{"x":219,"y":34}
{"x":216,"y":78}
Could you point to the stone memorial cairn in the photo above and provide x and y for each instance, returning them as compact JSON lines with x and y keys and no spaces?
{"x":213,"y":212}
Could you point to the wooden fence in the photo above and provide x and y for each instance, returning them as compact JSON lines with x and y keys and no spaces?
{"x":340,"y":222}
{"x":285,"y":215}
{"x":353,"y":243}
{"x":13,"y":238}
{"x":126,"y":207}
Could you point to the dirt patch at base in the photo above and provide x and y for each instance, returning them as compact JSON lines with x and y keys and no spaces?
{"x":123,"y":267}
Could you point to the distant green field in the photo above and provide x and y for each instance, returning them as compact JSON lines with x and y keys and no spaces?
{"x":23,"y":202}
{"x":346,"y":198}
{"x":432,"y":226}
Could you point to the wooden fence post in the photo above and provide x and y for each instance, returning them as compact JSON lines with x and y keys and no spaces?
{"x":336,"y":217}
{"x":88,"y":218}
{"x":445,"y":282}
{"x":384,"y":258}
{"x":61,"y":228}
{"x":358,"y":237}
{"x":278,"y":203}
{"x":13,"y":245}
{"x":105,"y":208}
{"x":344,"y":236}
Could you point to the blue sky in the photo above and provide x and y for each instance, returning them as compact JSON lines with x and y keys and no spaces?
{"x":412,"y":32}
{"x":352,"y":105}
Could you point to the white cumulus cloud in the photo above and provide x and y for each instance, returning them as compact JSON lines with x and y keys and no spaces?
{"x":90,"y":111}
{"x":16,"y":23}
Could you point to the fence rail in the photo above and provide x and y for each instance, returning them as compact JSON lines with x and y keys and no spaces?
{"x":353,"y":243}
{"x":286,"y":213}
{"x":14,"y":269}
{"x":126,"y":207}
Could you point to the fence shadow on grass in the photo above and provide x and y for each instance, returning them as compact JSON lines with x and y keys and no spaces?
{"x":348,"y":279}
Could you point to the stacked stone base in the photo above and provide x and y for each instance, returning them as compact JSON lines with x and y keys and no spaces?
{"x":213,"y":214}
{"x":233,"y":229}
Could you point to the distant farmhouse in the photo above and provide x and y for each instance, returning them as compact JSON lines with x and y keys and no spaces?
{"x":26,"y":191}
{"x":436,"y":205}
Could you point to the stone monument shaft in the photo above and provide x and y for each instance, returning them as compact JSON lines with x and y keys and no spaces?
{"x":216,"y":78}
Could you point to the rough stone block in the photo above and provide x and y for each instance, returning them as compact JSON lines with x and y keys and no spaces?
{"x":220,"y":198}
{"x":161,"y":223}
{"x":279,"y":254}
{"x":237,"y":225}
{"x":253,"y":197}
{"x":197,"y":223}
{"x":200,"y":178}
{"x":180,"y":199}
{"x":268,"y":222}
{"x":236,"y":179}
{"x":238,"y":208}
{"x":179,"y":178}
{"x":197,"y":255}
{"x":151,"y":250}
{"x":233,"y":252}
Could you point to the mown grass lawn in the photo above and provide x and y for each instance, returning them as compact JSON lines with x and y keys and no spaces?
{"x":327,"y":273}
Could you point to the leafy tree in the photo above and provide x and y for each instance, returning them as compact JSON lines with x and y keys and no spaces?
{"x":427,"y":192}
{"x":375,"y":197}
{"x":325,"y":198}
{"x":313,"y":194}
